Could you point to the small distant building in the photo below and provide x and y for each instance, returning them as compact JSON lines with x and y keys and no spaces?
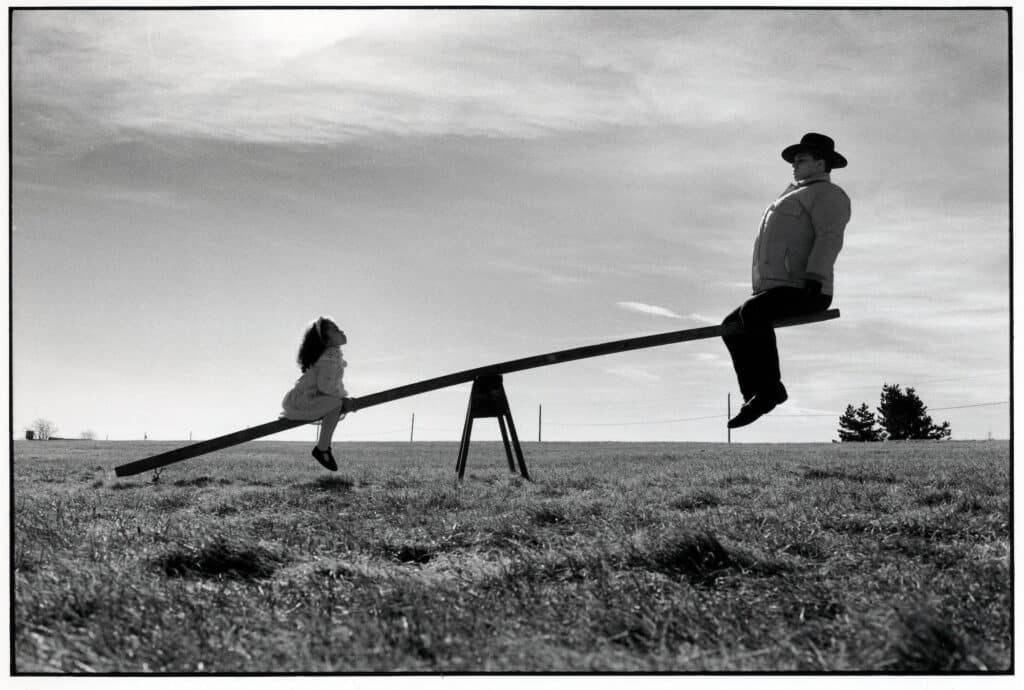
{"x":30,"y":435}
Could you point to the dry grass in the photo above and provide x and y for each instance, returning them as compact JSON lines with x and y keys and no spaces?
{"x":621,"y":557}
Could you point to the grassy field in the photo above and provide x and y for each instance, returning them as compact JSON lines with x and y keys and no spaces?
{"x":620,"y":557}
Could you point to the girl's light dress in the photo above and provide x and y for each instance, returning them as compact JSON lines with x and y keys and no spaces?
{"x":319,"y":390}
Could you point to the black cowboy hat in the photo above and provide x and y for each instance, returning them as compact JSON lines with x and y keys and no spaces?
{"x":820,"y":144}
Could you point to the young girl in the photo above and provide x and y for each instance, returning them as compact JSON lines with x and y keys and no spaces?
{"x":320,"y":393}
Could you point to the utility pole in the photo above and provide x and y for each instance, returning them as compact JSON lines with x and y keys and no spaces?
{"x":728,"y":415}
{"x":539,"y":418}
{"x":412,"y":426}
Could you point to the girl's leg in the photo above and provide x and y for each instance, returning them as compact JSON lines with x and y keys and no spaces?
{"x":327,"y":425}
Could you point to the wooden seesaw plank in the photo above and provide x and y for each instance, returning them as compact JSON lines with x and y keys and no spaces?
{"x":203,"y":447}
{"x":574,"y":354}
{"x":458,"y":378}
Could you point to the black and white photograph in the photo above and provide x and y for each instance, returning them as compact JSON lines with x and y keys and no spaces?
{"x":490,"y":340}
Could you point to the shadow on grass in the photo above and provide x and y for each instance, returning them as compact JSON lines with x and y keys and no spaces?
{"x":441,"y":499}
{"x":842,"y":475}
{"x":507,"y":535}
{"x":118,"y":486}
{"x":701,"y":558}
{"x":332,"y":483}
{"x":549,"y":515}
{"x":927,"y":643}
{"x":201,"y":482}
{"x":219,"y":558}
{"x":414,"y":553}
{"x":696,"y":500}
{"x":738,"y":478}
{"x":810,"y":550}
{"x":172,"y":502}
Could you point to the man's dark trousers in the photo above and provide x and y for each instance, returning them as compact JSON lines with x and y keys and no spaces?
{"x":755,"y":354}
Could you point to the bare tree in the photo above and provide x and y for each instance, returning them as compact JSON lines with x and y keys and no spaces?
{"x":89,"y":435}
{"x":44,"y":429}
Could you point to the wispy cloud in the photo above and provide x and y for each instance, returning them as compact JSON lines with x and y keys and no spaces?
{"x":663,"y":270}
{"x":330,"y":76}
{"x":655,"y":310}
{"x":633,"y":374}
{"x":545,"y":275}
{"x":314,"y":77}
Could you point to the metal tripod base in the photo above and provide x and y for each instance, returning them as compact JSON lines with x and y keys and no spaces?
{"x":487,"y":399}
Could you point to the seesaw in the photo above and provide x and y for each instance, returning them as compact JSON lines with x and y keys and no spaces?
{"x":486,"y":399}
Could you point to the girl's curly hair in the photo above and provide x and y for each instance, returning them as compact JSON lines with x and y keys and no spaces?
{"x":313,"y":344}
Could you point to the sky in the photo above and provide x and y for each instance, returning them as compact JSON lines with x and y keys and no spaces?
{"x":456,"y":188}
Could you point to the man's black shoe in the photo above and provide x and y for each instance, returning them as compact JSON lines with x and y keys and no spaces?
{"x":758,"y":406}
{"x":325,"y":458}
{"x":748,"y":413}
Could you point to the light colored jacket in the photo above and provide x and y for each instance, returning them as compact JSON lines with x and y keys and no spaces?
{"x":326,"y":376}
{"x":800,"y":236}
{"x":318,"y":390}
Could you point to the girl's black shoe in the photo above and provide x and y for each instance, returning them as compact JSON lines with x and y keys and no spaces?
{"x":325,"y":458}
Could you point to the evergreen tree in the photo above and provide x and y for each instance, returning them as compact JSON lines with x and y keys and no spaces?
{"x":904,"y":416}
{"x":859,"y":425}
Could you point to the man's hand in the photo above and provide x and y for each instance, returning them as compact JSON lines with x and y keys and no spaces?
{"x":812,"y":288}
{"x":348,"y":405}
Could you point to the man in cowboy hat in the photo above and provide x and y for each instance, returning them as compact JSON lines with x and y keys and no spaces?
{"x":800,"y":237}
